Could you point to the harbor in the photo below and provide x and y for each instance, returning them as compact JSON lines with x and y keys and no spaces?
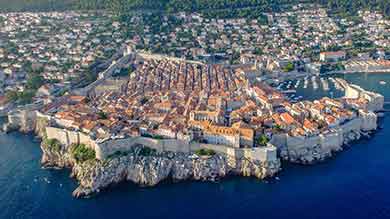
{"x":311,"y":87}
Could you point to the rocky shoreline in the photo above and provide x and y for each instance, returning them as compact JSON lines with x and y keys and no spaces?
{"x":130,"y":165}
{"x":94,"y":175}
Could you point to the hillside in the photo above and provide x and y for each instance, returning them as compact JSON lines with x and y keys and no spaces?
{"x":211,"y":8}
{"x":35,"y":5}
{"x":234,"y":8}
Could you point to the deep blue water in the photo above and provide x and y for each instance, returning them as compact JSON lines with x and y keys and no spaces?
{"x":355,"y":184}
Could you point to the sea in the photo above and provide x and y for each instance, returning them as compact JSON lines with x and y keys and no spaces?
{"x":353,"y":184}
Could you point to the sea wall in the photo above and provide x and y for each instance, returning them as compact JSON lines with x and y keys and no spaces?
{"x":67,"y":138}
{"x":27,"y":119}
{"x":106,"y":148}
{"x":375,"y":100}
{"x":262,"y":154}
{"x":21,"y":120}
{"x":308,"y":149}
{"x":369,"y":120}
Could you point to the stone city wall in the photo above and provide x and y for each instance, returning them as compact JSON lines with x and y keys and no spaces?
{"x":263,"y":154}
{"x":67,"y":138}
{"x":108,"y":147}
{"x":111,"y":146}
{"x":375,"y":100}
{"x":353,"y":125}
{"x":309,"y":148}
{"x":369,"y":121}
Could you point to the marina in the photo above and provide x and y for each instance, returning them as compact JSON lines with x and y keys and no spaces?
{"x":311,"y":87}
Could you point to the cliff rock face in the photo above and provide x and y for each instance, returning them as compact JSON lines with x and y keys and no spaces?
{"x":55,"y":158}
{"x":95,"y":175}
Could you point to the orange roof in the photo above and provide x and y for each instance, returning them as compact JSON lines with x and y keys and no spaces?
{"x":77,"y":98}
{"x":298,"y":132}
{"x":222,"y":130}
{"x":330,"y":119}
{"x":287,"y":118}
{"x":308,"y":125}
{"x":319,"y":106}
{"x":88,"y":124}
{"x":276,"y":118}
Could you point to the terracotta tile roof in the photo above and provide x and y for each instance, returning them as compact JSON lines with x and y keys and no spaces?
{"x":287,"y":118}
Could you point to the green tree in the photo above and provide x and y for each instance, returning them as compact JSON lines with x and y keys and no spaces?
{"x":35,"y":81}
{"x":12,"y":96}
{"x":289,"y":67}
{"x":205,"y":152}
{"x":263,"y":140}
{"x":82,"y":153}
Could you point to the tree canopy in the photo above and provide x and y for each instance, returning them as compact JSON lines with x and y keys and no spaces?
{"x":213,"y":8}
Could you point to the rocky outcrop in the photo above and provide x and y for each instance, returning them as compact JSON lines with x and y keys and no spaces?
{"x":56,"y":158}
{"x":95,"y":175}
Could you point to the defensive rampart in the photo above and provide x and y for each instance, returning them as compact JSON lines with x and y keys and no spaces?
{"x":104,"y":148}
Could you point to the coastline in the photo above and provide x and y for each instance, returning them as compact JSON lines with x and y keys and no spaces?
{"x":147,"y":171}
{"x":151,"y":169}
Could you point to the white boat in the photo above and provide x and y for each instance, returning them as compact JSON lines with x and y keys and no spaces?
{"x":382,"y":82}
{"x":297,"y":84}
{"x":314,"y":82}
{"x":325,"y":84}
{"x":305,"y":84}
{"x":289,"y":91}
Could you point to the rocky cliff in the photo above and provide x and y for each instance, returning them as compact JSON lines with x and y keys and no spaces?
{"x":95,"y":175}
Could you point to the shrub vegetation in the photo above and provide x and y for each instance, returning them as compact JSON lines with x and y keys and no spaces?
{"x":53,"y":144}
{"x":205,"y":152}
{"x":145,"y":151}
{"x":82,"y":153}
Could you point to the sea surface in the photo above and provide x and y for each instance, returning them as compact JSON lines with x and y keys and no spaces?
{"x":354,"y":184}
